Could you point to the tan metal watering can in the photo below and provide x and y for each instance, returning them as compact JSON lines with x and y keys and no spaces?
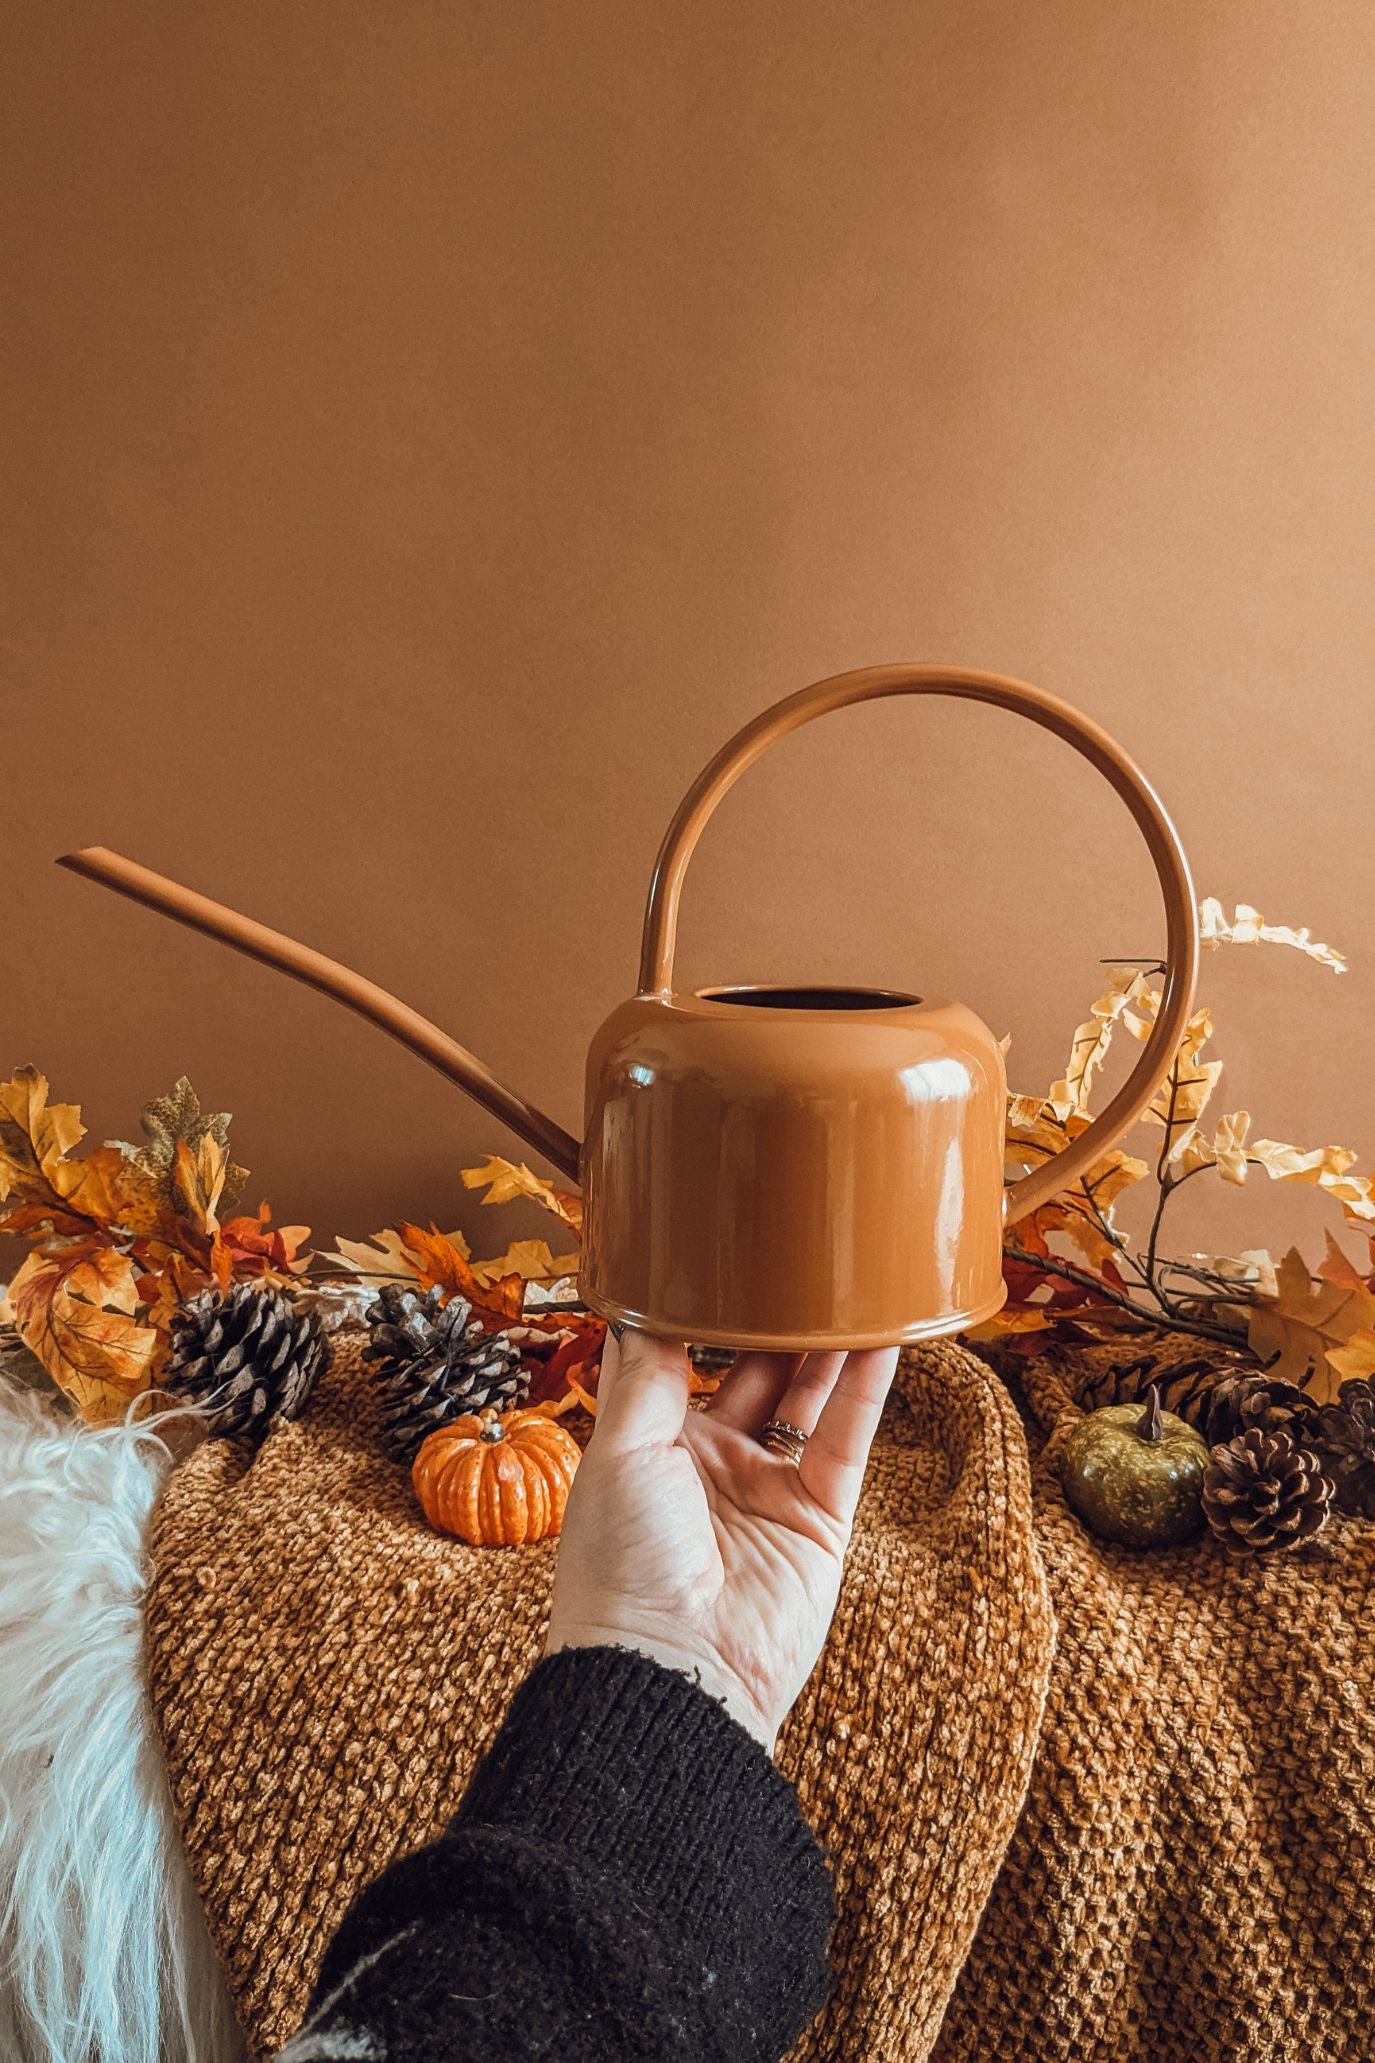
{"x":781,"y":1166}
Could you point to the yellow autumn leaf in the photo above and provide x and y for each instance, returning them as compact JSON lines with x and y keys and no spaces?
{"x":386,"y":1257}
{"x":1251,"y":1269}
{"x":1038,"y":1129}
{"x":38,"y":1181}
{"x":1297,"y":1329}
{"x":1225,"y":1150}
{"x":1084,"y":1214}
{"x":1077,"y":1224}
{"x":1355,"y":1357}
{"x":1356,"y":1194}
{"x":1229,"y":1145}
{"x":1248,"y":928}
{"x":1325,"y":1167}
{"x":505,"y":1179}
{"x":1089,"y":1046}
{"x":1337,"y":1266}
{"x":531,"y":1259}
{"x":1192,"y":1150}
{"x":1117,"y":1171}
{"x":1181,"y":1097}
{"x":1011,"y":1318}
{"x":35,"y":1136}
{"x":1297,"y":1164}
{"x":1023,"y":1112}
{"x":74,"y":1308}
{"x":197,"y":1181}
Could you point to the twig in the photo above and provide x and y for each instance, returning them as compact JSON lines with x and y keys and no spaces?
{"x":1164,"y":1184}
{"x":1167,"y":1318}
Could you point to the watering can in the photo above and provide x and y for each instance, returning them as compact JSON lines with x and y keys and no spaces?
{"x":781,"y":1166}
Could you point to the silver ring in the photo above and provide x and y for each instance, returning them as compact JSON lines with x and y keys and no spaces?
{"x":785,"y":1440}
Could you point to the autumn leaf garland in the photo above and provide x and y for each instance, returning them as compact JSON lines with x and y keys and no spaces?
{"x":120,"y":1236}
{"x":1070,"y":1268}
{"x":527,"y":1290}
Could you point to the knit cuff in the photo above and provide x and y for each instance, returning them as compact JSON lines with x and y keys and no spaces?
{"x":635,"y":1768}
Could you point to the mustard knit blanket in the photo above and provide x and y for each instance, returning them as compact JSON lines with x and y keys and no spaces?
{"x":1081,"y":1802}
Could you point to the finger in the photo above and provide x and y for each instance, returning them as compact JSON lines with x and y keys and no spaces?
{"x":642,"y":1393}
{"x":803,"y":1401}
{"x":749,"y":1393}
{"x":834,"y":1458}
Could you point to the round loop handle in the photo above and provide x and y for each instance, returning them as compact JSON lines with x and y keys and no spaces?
{"x":870,"y":684}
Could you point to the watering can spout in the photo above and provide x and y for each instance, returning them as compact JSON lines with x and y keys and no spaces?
{"x":332,"y":978}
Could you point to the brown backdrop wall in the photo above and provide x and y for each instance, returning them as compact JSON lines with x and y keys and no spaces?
{"x":433,"y":428}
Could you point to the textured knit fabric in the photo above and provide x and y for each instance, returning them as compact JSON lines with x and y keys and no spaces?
{"x":628,"y":1876}
{"x":1194,"y":1874}
{"x":1190,"y":1877}
{"x":326,"y":1671}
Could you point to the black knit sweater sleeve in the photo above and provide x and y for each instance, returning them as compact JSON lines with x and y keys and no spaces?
{"x":628,"y":1876}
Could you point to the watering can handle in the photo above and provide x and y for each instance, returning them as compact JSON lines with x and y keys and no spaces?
{"x":869,"y":685}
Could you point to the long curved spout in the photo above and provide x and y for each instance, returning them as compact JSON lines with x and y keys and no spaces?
{"x":332,"y":978}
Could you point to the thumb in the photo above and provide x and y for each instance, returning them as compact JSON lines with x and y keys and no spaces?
{"x":642,"y":1396}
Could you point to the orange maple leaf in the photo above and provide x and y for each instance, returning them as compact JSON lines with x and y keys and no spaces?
{"x":75,"y":1308}
{"x":439,"y":1264}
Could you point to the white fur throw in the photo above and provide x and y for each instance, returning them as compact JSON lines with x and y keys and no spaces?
{"x":104,"y":1956}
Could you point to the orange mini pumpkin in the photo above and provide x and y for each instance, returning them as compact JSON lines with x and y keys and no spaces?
{"x":497,"y":1481}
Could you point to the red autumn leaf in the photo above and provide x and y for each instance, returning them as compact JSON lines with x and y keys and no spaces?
{"x":46,"y":1217}
{"x":578,"y":1358}
{"x":248,"y":1247}
{"x":505,"y":1299}
{"x":1022,"y":1279}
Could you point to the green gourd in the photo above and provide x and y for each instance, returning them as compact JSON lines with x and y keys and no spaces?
{"x":1134,"y":1473}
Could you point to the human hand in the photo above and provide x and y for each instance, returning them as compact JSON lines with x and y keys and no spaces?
{"x":686,"y":1539}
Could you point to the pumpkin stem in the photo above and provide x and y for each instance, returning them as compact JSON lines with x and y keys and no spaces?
{"x":491,"y":1428}
{"x":1149,"y":1425}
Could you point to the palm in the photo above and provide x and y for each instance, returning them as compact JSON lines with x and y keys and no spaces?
{"x":686,"y":1537}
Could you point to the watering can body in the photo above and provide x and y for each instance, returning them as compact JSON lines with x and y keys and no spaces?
{"x":793,"y":1168}
{"x":783,"y":1167}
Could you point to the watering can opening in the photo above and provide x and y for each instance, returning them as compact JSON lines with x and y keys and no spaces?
{"x":780,"y":996}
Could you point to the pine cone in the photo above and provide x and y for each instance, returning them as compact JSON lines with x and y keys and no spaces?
{"x":1183,"y":1386}
{"x":1262,"y":1491}
{"x":437,"y":1361}
{"x":1242,"y":1402}
{"x":247,"y":1358}
{"x":1342,"y":1436}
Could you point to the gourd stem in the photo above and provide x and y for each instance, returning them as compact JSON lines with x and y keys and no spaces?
{"x":1149,"y":1426}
